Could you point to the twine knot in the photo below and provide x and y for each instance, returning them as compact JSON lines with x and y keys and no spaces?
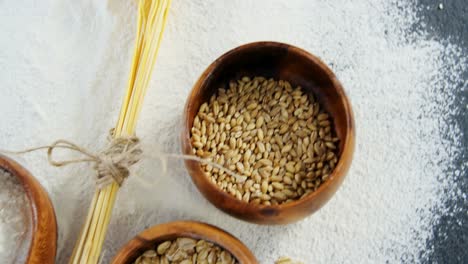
{"x":113,"y":163}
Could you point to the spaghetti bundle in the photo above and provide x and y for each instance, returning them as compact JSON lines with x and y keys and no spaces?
{"x":152,"y":15}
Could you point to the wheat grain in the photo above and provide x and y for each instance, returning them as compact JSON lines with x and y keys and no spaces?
{"x":272,"y":134}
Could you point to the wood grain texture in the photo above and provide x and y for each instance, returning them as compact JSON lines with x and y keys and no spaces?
{"x":300,"y":68}
{"x":169,"y":231}
{"x":44,"y":226}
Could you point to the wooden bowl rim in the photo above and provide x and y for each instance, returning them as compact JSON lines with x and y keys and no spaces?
{"x":43,"y":245}
{"x":193,"y":229}
{"x":349,"y":137}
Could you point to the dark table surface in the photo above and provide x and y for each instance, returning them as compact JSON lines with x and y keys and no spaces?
{"x":450,"y":241}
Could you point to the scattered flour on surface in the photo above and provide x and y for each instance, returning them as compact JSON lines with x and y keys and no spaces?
{"x":64,"y":68}
{"x":15,"y":218}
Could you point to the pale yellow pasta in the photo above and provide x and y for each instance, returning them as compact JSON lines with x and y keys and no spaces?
{"x":152,"y":15}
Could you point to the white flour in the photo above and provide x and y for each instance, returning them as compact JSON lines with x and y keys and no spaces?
{"x":15,"y":219}
{"x":64,"y":66}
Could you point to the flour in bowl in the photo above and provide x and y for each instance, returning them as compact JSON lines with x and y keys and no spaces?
{"x":15,"y":219}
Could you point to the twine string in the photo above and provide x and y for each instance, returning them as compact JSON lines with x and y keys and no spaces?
{"x":111,"y":165}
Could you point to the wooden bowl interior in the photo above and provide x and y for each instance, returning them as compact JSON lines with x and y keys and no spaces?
{"x":149,"y":238}
{"x":281,"y":62}
{"x":43,"y":245}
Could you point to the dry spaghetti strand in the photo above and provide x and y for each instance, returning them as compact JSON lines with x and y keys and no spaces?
{"x":152,"y":16}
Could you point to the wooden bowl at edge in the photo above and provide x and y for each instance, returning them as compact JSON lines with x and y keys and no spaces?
{"x":43,"y":245}
{"x":300,"y":68}
{"x":169,"y":231}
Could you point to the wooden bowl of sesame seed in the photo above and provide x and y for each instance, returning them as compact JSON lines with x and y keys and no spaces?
{"x":150,"y":244}
{"x":279,"y":124}
{"x":41,"y":236}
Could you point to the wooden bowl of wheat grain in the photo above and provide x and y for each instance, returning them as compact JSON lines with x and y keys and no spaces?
{"x":151,"y":237}
{"x":300,"y":68}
